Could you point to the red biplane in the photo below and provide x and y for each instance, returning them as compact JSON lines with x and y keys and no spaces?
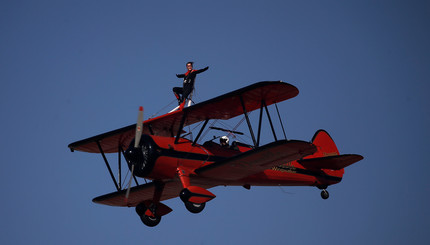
{"x":159,"y":150}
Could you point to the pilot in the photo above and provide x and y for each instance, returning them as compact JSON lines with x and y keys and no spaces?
{"x":224,"y":141}
{"x":188,"y":86}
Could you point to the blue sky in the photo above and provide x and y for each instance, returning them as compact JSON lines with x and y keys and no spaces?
{"x":73,"y":69}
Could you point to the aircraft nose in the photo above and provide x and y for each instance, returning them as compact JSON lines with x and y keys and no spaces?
{"x":143,"y":157}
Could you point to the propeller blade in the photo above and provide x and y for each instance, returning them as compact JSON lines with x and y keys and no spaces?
{"x":129,"y":184}
{"x":138,"y":127}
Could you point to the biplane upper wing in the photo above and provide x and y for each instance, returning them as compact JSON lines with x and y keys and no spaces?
{"x":257,"y":160}
{"x":140,"y":193}
{"x":222,"y":107}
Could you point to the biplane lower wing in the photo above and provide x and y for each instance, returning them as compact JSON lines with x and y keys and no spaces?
{"x":257,"y":160}
{"x":222,"y":107}
{"x":140,"y":193}
{"x":331,"y":162}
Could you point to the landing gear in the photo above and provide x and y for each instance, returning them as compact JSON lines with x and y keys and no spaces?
{"x":148,"y":215}
{"x":324,"y":194}
{"x":195,"y":208}
{"x":194,"y":197}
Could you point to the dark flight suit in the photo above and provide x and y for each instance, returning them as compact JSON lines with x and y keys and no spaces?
{"x":189,"y":79}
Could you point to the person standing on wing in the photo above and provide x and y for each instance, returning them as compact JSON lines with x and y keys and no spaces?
{"x":189,"y":78}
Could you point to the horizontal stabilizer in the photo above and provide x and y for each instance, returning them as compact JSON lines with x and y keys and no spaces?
{"x":331,"y":162}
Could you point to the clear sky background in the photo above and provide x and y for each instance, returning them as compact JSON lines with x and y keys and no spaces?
{"x":73,"y":69}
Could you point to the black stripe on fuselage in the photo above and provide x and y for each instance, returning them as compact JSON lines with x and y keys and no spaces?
{"x":318,"y":174}
{"x":189,"y":155}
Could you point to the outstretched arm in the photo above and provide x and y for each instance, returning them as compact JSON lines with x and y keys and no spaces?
{"x":202,"y":70}
{"x":180,"y":75}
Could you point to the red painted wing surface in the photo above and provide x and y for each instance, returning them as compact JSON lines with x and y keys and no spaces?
{"x":222,"y":107}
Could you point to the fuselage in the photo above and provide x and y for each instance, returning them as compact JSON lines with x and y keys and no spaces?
{"x":163,"y":157}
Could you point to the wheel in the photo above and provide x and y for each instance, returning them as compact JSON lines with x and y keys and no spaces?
{"x":150,"y":221}
{"x":147,"y":220}
{"x":195,"y":208}
{"x":324,"y":194}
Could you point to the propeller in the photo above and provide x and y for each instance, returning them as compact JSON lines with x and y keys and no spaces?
{"x":139,"y":126}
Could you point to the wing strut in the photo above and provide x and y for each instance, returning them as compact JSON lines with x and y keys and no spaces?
{"x":118,"y":185}
{"x":181,"y":126}
{"x":270,"y":120}
{"x":263,"y":104}
{"x":107,"y":165}
{"x":120,"y":150}
{"x":247,"y":121}
{"x":259,"y":124}
{"x":280,"y":120}
{"x":200,"y":132}
{"x":119,"y":166}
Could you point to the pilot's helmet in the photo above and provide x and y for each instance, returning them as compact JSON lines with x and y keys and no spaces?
{"x":224,"y":140}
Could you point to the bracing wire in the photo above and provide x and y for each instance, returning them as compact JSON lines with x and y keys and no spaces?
{"x":162,"y":109}
{"x":207,"y":130}
{"x":234,"y":129}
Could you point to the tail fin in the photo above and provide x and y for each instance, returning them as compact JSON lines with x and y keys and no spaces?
{"x":325,"y":144}
{"x":327,"y":159}
{"x":327,"y":155}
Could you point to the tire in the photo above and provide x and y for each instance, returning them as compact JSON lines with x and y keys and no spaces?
{"x":150,"y":221}
{"x":324,"y":194}
{"x":195,"y":208}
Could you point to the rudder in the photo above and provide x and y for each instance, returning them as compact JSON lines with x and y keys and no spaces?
{"x":325,"y":144}
{"x":323,"y":158}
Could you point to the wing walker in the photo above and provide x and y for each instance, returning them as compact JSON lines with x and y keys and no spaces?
{"x":174,"y":164}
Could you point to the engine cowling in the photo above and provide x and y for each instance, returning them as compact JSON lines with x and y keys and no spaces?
{"x":143,"y":158}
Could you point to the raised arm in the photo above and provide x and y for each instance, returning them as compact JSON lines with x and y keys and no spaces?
{"x":202,"y":70}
